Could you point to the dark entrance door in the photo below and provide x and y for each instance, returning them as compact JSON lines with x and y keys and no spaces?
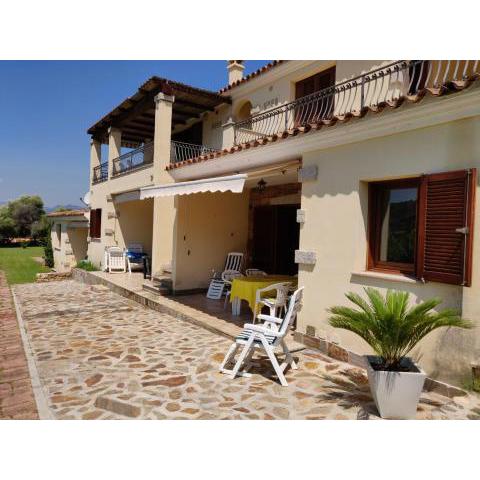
{"x":275,"y":238}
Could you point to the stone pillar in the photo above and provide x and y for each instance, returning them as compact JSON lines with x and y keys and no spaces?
{"x":114,"y":146}
{"x":95,"y":156}
{"x":164,"y":212}
{"x":228,"y":134}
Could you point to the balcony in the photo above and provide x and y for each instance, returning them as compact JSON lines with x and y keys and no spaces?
{"x":387,"y":84}
{"x":180,"y":151}
{"x":100,"y":173}
{"x":133,"y":160}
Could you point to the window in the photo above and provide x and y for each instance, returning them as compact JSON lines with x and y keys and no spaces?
{"x":96,"y":223}
{"x":423,"y":226}
{"x":315,"y":83}
{"x":394,"y":225}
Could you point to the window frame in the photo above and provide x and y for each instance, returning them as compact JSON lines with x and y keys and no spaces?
{"x":374,"y":227}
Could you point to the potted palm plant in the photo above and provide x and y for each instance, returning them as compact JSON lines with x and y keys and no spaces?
{"x":393,"y":328}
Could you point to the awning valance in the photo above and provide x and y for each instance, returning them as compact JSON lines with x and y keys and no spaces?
{"x":233,"y":183}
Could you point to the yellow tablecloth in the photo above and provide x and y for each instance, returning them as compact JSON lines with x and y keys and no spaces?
{"x":245,"y":288}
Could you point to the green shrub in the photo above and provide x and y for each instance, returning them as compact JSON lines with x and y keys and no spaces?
{"x":48,"y":250}
{"x":472,"y":385}
{"x":87,"y":265}
{"x":389,"y":325}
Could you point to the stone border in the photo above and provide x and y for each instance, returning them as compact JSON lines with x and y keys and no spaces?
{"x":328,"y":348}
{"x":337,"y":352}
{"x":44,"y":412}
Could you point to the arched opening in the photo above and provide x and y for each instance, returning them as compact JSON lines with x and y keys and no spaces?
{"x":244,"y":111}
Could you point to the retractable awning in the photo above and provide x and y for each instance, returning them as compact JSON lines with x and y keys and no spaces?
{"x":233,"y":183}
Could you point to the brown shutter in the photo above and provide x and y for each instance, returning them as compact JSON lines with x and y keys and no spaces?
{"x":95,"y":223}
{"x":445,"y":230}
{"x":93,"y":213}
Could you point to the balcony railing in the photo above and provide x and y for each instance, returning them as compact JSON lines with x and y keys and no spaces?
{"x":180,"y":151}
{"x":100,"y":173}
{"x":133,"y":160}
{"x":384,"y":84}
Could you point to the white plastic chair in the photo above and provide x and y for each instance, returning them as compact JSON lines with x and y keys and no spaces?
{"x":116,"y":260}
{"x":267,"y":336}
{"x":234,"y":261}
{"x":274,"y":303}
{"x":228,"y":276}
{"x":255,"y":272}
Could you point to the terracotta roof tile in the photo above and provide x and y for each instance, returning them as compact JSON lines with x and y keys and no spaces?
{"x":67,"y":213}
{"x":254,"y":74}
{"x":450,"y":87}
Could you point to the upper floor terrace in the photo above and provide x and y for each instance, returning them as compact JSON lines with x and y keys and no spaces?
{"x":294,"y":97}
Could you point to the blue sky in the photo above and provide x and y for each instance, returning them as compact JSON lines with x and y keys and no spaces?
{"x":46,"y":108}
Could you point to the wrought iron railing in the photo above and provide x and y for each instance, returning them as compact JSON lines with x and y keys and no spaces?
{"x":384,"y":84}
{"x":100,"y":173}
{"x":133,"y":160}
{"x":180,"y":151}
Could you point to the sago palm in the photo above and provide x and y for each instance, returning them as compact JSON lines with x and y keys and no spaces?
{"x":389,"y":325}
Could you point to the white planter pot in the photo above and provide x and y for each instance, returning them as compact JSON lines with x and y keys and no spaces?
{"x":396,"y":394}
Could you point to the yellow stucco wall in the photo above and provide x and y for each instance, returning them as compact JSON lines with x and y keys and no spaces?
{"x":99,"y":194}
{"x":209,"y":225}
{"x":134,"y":224}
{"x":339,"y":240}
{"x":69,"y":244}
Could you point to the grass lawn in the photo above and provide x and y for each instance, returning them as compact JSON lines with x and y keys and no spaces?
{"x":18,"y":264}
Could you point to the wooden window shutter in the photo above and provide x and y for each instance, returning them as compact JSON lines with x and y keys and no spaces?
{"x":95,"y":223}
{"x":445,"y":227}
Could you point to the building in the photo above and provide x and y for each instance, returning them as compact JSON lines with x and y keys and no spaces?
{"x":69,"y":238}
{"x":351,"y":173}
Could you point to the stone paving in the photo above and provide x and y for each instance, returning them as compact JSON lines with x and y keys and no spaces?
{"x":101,"y":356}
{"x":16,"y":394}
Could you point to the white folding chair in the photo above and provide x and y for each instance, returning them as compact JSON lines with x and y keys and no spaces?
{"x":268,"y":336}
{"x":276,"y":302}
{"x":228,"y":276}
{"x":233,"y":261}
{"x":116,"y":260}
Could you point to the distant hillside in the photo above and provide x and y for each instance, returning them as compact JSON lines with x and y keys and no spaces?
{"x":68,"y":207}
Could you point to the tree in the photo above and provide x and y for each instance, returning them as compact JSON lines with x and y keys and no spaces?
{"x":40,"y":230}
{"x":7,"y":226}
{"x":24,"y":212}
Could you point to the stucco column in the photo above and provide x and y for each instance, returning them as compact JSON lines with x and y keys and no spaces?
{"x":228,"y":134}
{"x":114,"y":146}
{"x":163,"y":207}
{"x":95,"y":156}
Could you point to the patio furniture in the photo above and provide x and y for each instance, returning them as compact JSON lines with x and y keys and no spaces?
{"x":255,"y":272}
{"x":267,"y":336}
{"x":233,"y":261}
{"x":246,"y":289}
{"x":228,"y":276}
{"x":215,"y":289}
{"x":276,"y":303}
{"x":135,"y":255}
{"x":116,"y":260}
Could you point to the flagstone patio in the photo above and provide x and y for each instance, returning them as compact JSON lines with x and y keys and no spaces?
{"x":101,"y":356}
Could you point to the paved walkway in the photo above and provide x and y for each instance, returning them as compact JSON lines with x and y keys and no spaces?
{"x":16,"y":395}
{"x":101,"y":356}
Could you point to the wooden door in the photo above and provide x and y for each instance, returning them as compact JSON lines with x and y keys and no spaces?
{"x":322,"y":107}
{"x":275,"y":238}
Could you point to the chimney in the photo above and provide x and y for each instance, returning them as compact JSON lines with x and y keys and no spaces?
{"x":235,"y":70}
